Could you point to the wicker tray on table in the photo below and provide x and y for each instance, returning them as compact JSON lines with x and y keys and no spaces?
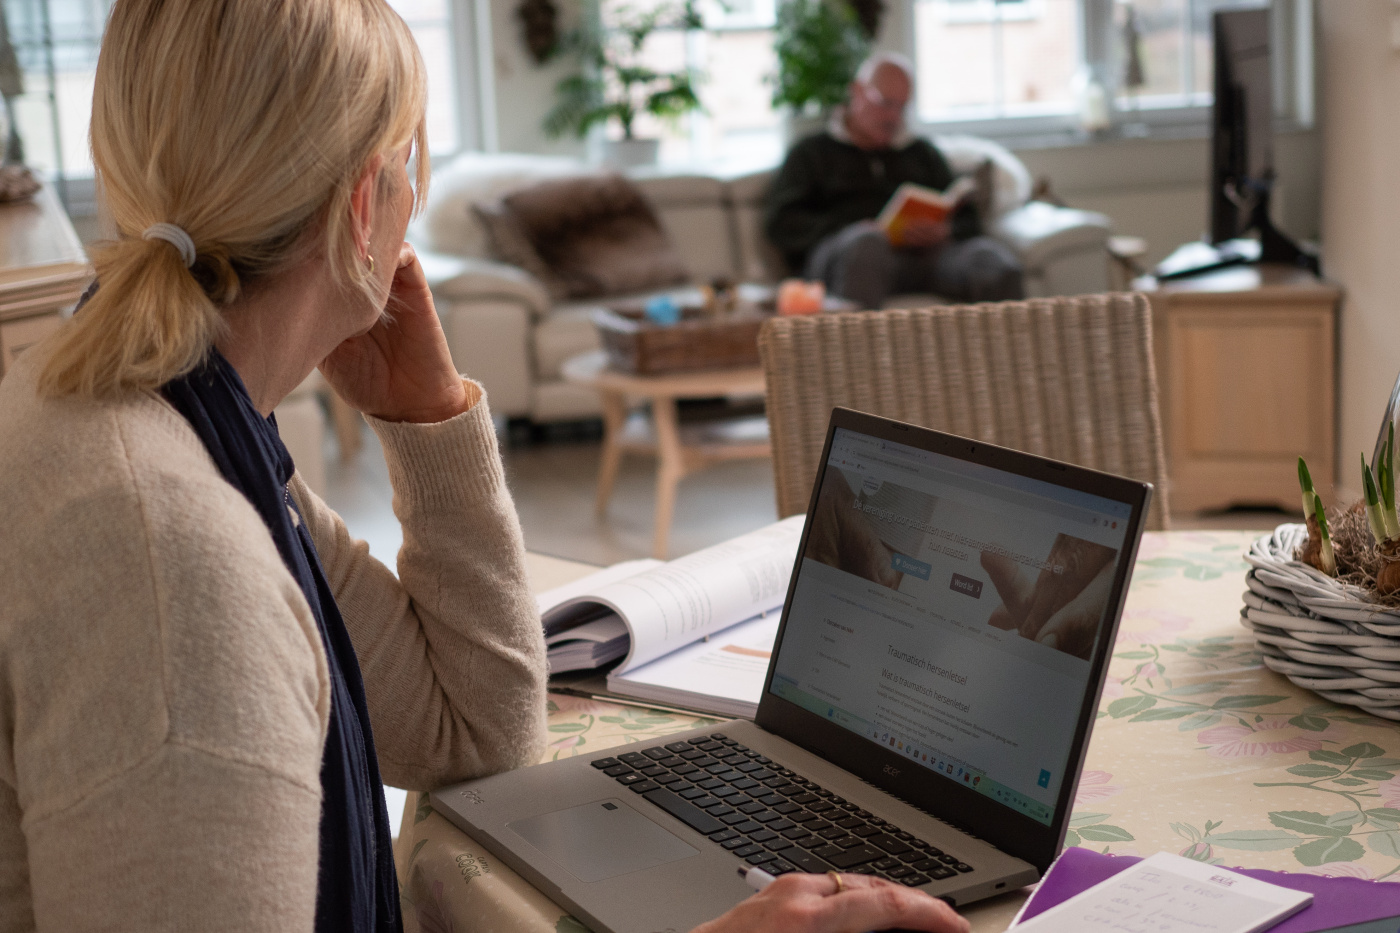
{"x":1324,"y":635}
{"x":699,"y":340}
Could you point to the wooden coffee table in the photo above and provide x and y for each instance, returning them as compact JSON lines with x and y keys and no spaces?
{"x":679,"y":449}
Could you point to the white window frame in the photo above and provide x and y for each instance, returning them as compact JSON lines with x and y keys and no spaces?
{"x":1294,"y":75}
{"x":986,"y":11}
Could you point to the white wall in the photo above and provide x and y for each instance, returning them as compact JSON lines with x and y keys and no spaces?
{"x":1360,"y":114}
{"x":525,"y":90}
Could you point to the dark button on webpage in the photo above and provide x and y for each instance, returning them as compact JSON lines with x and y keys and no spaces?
{"x":967,"y":586}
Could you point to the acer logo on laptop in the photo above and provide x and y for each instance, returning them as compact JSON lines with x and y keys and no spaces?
{"x":470,"y":796}
{"x":892,"y":771}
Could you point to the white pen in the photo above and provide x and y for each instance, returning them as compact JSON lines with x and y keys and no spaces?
{"x":757,"y":878}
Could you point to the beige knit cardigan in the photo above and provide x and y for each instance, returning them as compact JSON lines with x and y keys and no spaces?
{"x":163,"y":690}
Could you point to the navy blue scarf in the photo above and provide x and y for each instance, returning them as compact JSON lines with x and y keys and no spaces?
{"x":357,"y":891}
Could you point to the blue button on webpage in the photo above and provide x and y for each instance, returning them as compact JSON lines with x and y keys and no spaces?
{"x":1044,"y":780}
{"x":909,"y":565}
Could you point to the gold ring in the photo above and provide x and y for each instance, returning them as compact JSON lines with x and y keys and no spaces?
{"x":840,"y":885}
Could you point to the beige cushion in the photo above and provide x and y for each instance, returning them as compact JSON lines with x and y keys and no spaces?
{"x":751,"y":188}
{"x":758,"y":260}
{"x":694,"y":212}
{"x":701,"y":233}
{"x":566,"y":331}
{"x":667,"y":191}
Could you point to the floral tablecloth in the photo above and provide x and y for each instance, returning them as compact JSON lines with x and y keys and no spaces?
{"x":1198,"y":750}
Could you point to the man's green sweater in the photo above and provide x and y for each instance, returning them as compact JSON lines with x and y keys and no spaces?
{"x":825,"y":185}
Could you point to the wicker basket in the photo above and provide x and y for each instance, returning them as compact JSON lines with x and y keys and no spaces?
{"x":1324,"y":635}
{"x":698,"y":341}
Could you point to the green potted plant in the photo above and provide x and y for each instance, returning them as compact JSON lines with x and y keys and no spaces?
{"x":614,"y":84}
{"x":819,"y":45}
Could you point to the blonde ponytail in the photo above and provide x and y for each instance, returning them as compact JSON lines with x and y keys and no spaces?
{"x":148,"y":321}
{"x":247,"y":126}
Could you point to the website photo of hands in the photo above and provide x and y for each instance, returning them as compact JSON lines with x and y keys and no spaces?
{"x":849,"y":534}
{"x":1057,"y":601}
{"x":842,"y":537}
{"x":1062,"y":605}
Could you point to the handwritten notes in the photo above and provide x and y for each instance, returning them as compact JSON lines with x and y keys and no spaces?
{"x":1170,"y":894}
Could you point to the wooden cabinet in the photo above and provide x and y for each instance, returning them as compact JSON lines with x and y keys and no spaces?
{"x":1247,"y":371}
{"x":43,"y":271}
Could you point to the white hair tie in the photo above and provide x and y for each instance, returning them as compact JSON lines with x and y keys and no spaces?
{"x":174,"y":235}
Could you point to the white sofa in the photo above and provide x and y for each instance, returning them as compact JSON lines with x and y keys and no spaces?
{"x":504,"y":330}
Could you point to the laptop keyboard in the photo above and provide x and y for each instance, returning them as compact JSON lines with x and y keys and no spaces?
{"x":770,"y":816}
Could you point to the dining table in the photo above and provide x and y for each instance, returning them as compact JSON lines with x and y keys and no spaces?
{"x":1197,"y":749}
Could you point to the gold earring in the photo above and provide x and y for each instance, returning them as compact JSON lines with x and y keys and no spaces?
{"x":371,"y":265}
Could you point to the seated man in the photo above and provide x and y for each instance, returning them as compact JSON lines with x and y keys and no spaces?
{"x":821,"y":208}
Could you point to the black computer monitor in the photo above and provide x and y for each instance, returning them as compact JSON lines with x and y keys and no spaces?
{"x":1241,"y":155}
{"x":1242,"y":144}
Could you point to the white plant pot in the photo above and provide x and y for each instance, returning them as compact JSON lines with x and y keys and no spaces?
{"x":630,"y":153}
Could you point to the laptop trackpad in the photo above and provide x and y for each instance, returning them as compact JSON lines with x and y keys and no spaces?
{"x":602,"y":840}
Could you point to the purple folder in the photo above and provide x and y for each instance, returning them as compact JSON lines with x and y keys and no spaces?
{"x":1336,"y":901}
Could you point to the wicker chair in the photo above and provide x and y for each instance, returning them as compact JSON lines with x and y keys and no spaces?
{"x":1068,"y":378}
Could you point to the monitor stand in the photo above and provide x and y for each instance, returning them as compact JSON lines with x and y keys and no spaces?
{"x":1201,"y":257}
{"x":1275,"y":245}
{"x":1272,"y":246}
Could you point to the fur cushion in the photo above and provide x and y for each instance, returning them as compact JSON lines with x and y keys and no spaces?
{"x":584,"y":237}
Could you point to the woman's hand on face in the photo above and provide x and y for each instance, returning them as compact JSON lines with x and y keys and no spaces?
{"x":400,"y":369}
{"x":802,"y":903}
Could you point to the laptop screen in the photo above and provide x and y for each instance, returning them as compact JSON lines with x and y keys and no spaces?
{"x":947,"y":611}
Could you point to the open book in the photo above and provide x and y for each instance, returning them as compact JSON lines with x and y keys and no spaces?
{"x":912,"y":202}
{"x":695,"y":632}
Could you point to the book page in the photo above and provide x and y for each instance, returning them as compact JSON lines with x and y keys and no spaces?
{"x":673,"y":604}
{"x":911,"y":203}
{"x":559,"y":607}
{"x":1170,"y":894}
{"x":731,"y":664}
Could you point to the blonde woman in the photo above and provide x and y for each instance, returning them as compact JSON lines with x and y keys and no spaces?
{"x":203,"y":678}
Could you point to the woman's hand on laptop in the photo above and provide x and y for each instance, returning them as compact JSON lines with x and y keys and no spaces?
{"x":802,"y":903}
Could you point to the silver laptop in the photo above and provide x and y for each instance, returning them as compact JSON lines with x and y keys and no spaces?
{"x":928,"y":703}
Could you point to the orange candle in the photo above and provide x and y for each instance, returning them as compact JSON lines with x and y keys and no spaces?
{"x":796,"y":296}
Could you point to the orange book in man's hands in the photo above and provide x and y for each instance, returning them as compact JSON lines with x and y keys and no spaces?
{"x":913,"y":203}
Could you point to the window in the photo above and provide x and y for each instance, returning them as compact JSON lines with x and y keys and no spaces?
{"x":733,"y":57}
{"x":430,"y":21}
{"x":1031,"y":65}
{"x":999,"y":67}
{"x":56,"y":43}
{"x":982,"y":59}
{"x":1172,"y":39}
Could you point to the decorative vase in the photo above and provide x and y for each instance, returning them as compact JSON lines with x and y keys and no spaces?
{"x":629,"y":153}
